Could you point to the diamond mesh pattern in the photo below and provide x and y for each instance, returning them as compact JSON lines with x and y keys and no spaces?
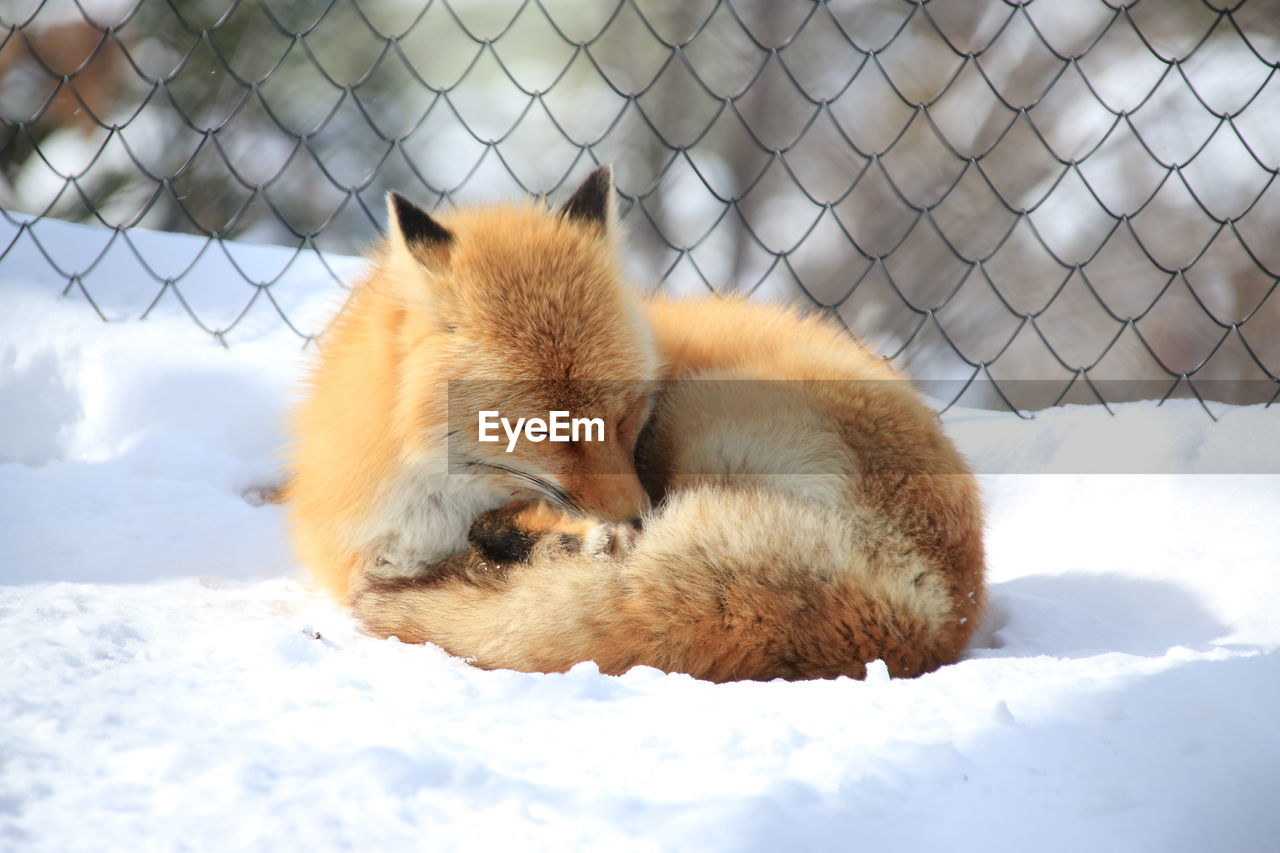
{"x":1082,"y":195}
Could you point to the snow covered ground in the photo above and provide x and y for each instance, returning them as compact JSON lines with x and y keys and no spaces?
{"x":162,"y":687}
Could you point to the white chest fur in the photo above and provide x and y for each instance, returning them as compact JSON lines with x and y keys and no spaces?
{"x":422,"y":517}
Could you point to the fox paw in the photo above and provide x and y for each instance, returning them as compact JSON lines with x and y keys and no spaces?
{"x":497,"y":537}
{"x":568,"y":534}
{"x":513,"y":534}
{"x":606,"y":539}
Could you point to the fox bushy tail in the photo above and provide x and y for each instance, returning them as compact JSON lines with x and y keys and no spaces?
{"x":724,"y":583}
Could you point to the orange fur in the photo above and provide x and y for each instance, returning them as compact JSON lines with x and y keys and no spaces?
{"x":810,"y":514}
{"x":371,"y":474}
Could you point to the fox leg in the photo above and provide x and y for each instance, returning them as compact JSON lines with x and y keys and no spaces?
{"x":537,"y":590}
{"x":498,"y":541}
{"x":513,"y":534}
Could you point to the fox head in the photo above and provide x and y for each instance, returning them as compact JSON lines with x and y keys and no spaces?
{"x":522,"y":311}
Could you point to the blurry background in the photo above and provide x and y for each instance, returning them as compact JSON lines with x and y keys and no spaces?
{"x":1064,"y":191}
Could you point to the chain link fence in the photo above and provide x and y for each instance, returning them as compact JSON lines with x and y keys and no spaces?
{"x":1024,"y":203}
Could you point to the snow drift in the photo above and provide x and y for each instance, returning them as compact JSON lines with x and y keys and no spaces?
{"x":169,"y":681}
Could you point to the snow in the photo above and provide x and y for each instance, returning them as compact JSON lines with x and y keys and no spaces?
{"x":162,"y":684}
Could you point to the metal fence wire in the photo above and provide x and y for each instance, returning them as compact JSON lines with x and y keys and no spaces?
{"x":1039,"y":202}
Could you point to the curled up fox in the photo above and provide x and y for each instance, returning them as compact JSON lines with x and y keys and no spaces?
{"x":763,"y":498}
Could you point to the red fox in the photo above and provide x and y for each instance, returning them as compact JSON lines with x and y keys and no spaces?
{"x":809,"y":515}
{"x":372,"y":493}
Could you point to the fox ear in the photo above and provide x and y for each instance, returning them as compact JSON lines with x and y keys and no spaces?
{"x":412,"y":229}
{"x":592,"y":203}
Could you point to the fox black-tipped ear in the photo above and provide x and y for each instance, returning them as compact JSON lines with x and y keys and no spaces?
{"x":414,"y":226}
{"x":591,"y":202}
